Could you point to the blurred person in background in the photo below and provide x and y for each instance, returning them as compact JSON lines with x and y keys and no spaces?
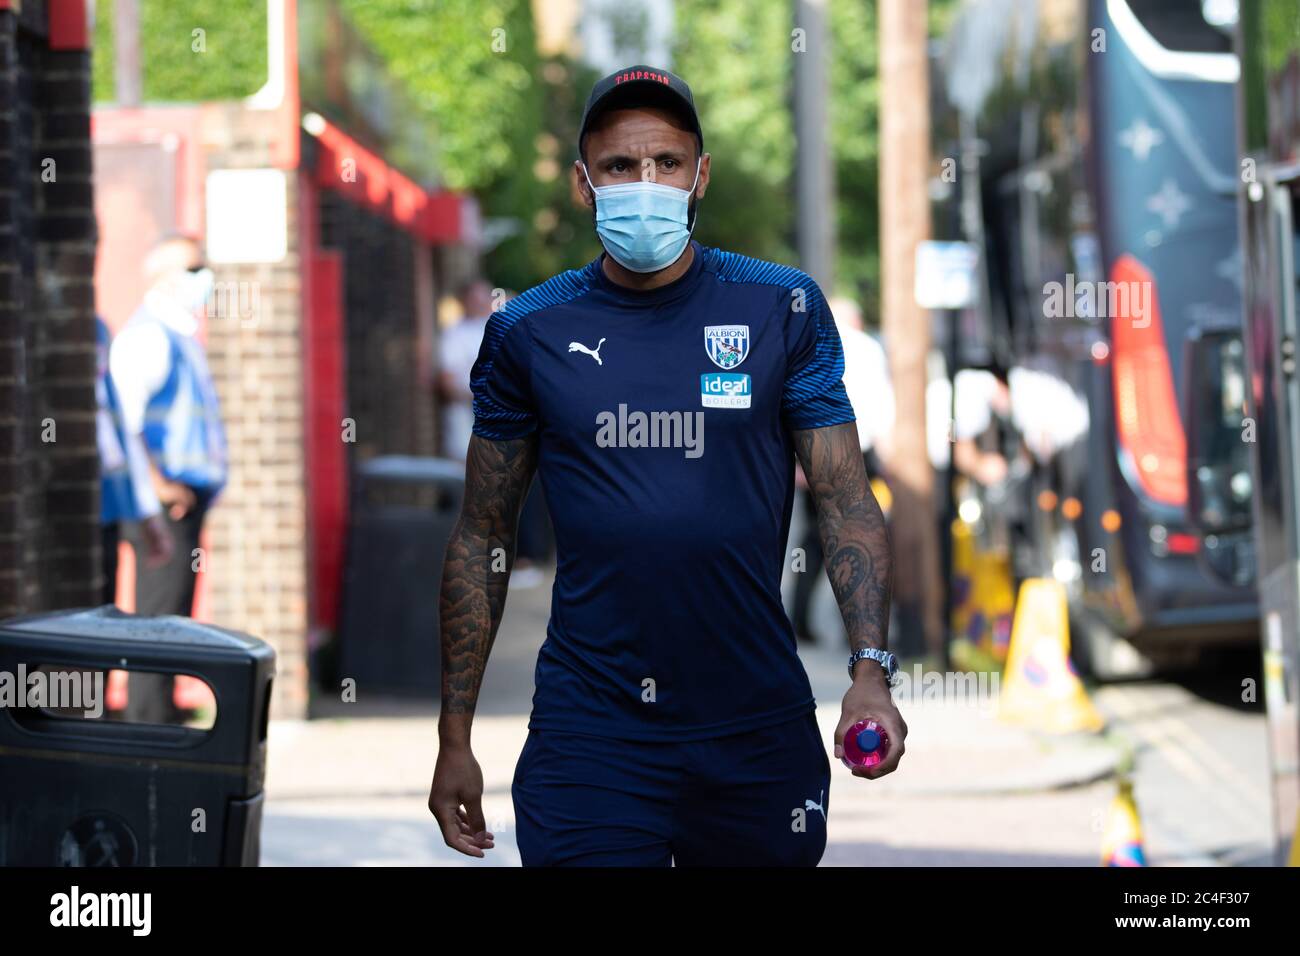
{"x":988,"y":456}
{"x":866,"y":379}
{"x":126,"y":487}
{"x":458,"y":349}
{"x":981,"y":425}
{"x":169,"y":400}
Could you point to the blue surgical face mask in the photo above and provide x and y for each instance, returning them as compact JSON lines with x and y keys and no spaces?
{"x":644,"y":226}
{"x":195,"y":287}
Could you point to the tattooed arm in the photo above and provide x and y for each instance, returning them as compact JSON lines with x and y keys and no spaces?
{"x":497,"y":476}
{"x":855,"y":543}
{"x":853,"y":535}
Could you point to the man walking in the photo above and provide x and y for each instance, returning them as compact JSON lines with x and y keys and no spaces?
{"x":662,"y":393}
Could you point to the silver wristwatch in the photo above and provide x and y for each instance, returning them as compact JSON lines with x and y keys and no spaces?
{"x":885,"y":659}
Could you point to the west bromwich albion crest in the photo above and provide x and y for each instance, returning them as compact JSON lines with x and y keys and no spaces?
{"x":727,"y":345}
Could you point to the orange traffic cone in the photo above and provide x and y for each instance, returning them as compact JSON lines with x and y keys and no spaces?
{"x":1039,"y":687}
{"x":1121,"y":841}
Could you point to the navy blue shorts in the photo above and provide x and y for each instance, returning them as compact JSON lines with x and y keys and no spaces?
{"x":758,"y":798}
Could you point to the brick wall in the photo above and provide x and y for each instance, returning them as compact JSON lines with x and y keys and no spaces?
{"x":258,"y":560}
{"x":49,"y":469}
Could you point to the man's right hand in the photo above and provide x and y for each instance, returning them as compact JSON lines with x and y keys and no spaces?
{"x":456,"y":801}
{"x":178,"y":499}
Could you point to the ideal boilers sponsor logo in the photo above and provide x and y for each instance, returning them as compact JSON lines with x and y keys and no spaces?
{"x":725,"y":390}
{"x":626,"y":429}
{"x":74,"y":908}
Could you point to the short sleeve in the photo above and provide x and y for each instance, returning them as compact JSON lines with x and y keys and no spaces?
{"x":501,"y":380}
{"x":139,"y":361}
{"x":814,"y":395}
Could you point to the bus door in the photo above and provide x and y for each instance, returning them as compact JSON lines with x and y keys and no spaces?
{"x":1272,"y":433}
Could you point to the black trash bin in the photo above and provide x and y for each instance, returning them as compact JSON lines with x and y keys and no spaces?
{"x":403,"y":512}
{"x":101,"y":792}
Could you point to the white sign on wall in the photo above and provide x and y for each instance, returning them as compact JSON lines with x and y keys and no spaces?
{"x":247,"y":215}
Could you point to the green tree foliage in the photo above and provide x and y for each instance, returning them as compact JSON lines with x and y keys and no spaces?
{"x":224,"y":59}
{"x":472,"y":71}
{"x":506,"y":118}
{"x":563,"y":233}
{"x":739,"y":59}
{"x":736,"y":57}
{"x":854,"y":115}
{"x":470,"y":67}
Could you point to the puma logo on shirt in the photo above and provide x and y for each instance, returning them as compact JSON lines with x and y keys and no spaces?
{"x":594,"y":353}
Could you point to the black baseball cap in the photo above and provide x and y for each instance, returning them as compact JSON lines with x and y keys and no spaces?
{"x":641,"y":85}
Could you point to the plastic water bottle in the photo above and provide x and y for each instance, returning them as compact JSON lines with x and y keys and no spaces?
{"x":865,"y":745}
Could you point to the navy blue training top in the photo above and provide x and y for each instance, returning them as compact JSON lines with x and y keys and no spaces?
{"x":664,"y":451}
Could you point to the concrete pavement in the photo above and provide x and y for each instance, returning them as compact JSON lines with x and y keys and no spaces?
{"x":349,"y":788}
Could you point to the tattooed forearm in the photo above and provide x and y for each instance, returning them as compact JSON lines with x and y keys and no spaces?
{"x":475,"y":573}
{"x":854,"y":538}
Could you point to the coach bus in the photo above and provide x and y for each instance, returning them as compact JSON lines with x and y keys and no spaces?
{"x":1097,"y":148}
{"x":1269,"y":187}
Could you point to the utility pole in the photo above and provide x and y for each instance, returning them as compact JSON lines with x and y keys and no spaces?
{"x":814,"y":174}
{"x":904,"y":222}
{"x":126,"y":52}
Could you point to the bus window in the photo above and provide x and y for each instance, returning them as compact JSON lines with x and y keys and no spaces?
{"x":1175,"y":25}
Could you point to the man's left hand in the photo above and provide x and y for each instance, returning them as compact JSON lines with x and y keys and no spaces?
{"x":869,"y":697}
